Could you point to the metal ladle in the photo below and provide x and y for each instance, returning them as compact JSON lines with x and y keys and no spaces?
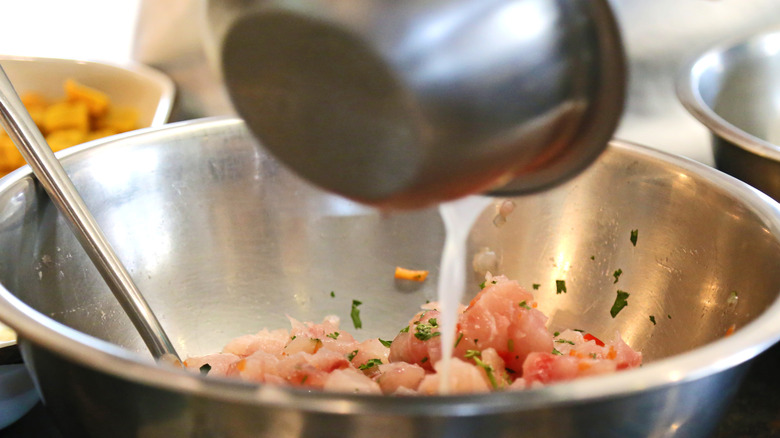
{"x":402,"y":104}
{"x":17,"y":122}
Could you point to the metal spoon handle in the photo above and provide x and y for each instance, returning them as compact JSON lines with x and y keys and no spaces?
{"x":17,"y":122}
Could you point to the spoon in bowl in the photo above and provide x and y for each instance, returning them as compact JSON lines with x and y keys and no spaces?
{"x":18,"y":124}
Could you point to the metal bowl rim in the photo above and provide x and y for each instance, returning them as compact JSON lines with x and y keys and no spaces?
{"x":690,"y":97}
{"x":36,"y":329}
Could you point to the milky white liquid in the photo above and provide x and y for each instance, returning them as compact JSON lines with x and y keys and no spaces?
{"x":458,"y":216}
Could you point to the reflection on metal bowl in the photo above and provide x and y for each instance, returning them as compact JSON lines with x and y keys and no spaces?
{"x":223,"y":241}
{"x":734,"y":91}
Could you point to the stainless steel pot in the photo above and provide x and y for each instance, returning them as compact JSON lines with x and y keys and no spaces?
{"x":223,"y":241}
{"x":734,"y":91}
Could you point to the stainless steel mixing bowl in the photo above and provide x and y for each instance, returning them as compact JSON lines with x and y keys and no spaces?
{"x":223,"y":241}
{"x":734,"y":90}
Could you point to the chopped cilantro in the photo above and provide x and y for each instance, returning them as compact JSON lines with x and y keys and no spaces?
{"x":560,"y":286}
{"x":473,"y":353}
{"x":352,"y":355}
{"x":423,"y":360}
{"x":510,"y":345}
{"x":404,"y":330}
{"x":332,"y":294}
{"x":524,"y":305}
{"x":617,"y":275}
{"x":425,"y":332}
{"x":593,"y":356}
{"x":386,"y":343}
{"x":204,"y":369}
{"x":634,"y":236}
{"x":488,"y":370}
{"x":334,"y":335}
{"x":621,"y":301}
{"x":433,"y":322}
{"x":304,"y":379}
{"x":579,"y":330}
{"x":510,"y":371}
{"x":482,"y":285}
{"x":536,"y":286}
{"x":475,"y":341}
{"x":556,"y":352}
{"x":564,"y":341}
{"x":355,"y":314}
{"x":652,"y":319}
{"x":593,"y":257}
{"x":292,"y":338}
{"x":669,"y":316}
{"x":370,"y":363}
{"x":556,"y":334}
{"x":460,"y":336}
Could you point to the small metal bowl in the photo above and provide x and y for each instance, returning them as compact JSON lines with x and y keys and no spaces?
{"x":734,"y":90}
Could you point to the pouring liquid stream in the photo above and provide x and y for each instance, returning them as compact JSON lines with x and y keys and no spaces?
{"x":458,"y":217}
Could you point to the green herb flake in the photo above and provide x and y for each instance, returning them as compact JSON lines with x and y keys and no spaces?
{"x":524,"y":305}
{"x":564,"y":341}
{"x":423,"y":360}
{"x":352,"y":355}
{"x":669,"y":316}
{"x":556,"y":352}
{"x":460,"y":336}
{"x":475,"y":341}
{"x":386,"y":343}
{"x":488,"y":370}
{"x":579,"y":330}
{"x":634,"y":236}
{"x":536,"y":286}
{"x":404,"y":330}
{"x":510,"y":345}
{"x":593,"y":257}
{"x":332,"y":294}
{"x":510,"y":371}
{"x":334,"y":335}
{"x":425,"y":332}
{"x":304,"y":379}
{"x":370,"y":364}
{"x":617,"y":275}
{"x":556,"y":334}
{"x":292,"y":338}
{"x":204,"y":369}
{"x":472,"y":353}
{"x":621,"y":301}
{"x":355,"y":314}
{"x":652,"y":319}
{"x":482,"y":285}
{"x":593,"y":356}
{"x":560,"y":286}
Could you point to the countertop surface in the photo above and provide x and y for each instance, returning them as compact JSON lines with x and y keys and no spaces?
{"x":661,"y":37}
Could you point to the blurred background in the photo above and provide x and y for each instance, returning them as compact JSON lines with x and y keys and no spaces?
{"x":660,"y":36}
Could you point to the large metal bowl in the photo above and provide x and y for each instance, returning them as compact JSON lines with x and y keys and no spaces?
{"x":223,"y":241}
{"x":734,"y":90}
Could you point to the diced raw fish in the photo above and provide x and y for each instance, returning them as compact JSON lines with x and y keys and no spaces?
{"x":221,"y":364}
{"x":269,"y":341}
{"x":350,"y":380}
{"x":394,"y":376}
{"x":502,"y":317}
{"x":577,"y":355}
{"x":420,"y":343}
{"x":464,"y":378}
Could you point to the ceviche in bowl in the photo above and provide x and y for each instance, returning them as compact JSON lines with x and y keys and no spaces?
{"x":634,"y":294}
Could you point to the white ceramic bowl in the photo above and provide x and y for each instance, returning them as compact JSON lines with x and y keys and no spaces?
{"x":147,"y":90}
